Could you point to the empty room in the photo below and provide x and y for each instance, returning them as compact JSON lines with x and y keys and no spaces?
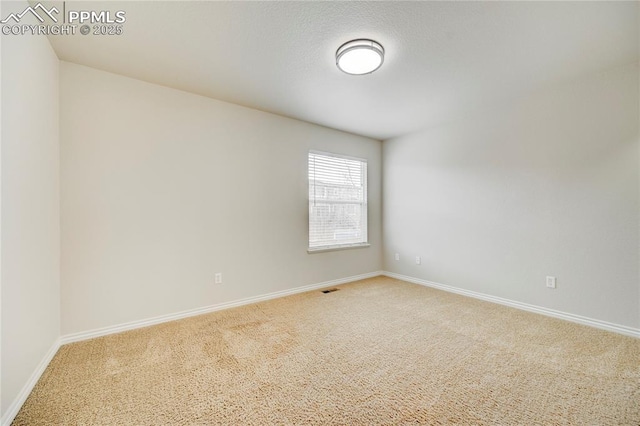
{"x":320,"y":213}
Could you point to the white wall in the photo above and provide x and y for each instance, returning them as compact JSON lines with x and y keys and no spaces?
{"x":161,"y":189}
{"x":30,"y":208}
{"x":496,"y":201}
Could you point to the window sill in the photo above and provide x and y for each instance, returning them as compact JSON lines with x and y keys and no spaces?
{"x":336,"y":248}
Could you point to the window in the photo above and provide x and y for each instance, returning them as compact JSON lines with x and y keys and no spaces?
{"x":337,"y":202}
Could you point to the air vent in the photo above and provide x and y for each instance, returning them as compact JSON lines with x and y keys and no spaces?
{"x":331,"y":290}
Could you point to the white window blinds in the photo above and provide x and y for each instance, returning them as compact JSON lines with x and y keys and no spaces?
{"x":337,"y":201}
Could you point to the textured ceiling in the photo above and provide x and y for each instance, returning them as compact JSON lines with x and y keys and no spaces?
{"x":443,"y":58}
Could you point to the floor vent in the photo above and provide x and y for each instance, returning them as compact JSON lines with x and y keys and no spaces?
{"x":331,"y":290}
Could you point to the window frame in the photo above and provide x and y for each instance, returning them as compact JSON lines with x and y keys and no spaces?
{"x":364,"y":205}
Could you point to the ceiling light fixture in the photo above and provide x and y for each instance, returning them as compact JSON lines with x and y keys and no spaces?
{"x":360,"y":56}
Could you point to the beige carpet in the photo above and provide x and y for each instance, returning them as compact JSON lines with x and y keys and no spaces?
{"x":378,"y":351}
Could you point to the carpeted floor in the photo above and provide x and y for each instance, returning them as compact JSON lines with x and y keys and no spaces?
{"x":378,"y":351}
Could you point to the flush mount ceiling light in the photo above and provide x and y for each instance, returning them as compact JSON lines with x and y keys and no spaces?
{"x":360,"y":56}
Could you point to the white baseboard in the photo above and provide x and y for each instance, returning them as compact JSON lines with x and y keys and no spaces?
{"x":90,"y":334}
{"x":616,"y":328}
{"x":15,"y":406}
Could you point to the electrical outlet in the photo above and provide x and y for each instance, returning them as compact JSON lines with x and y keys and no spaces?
{"x":551,"y":282}
{"x":218,"y":278}
{"x":397,"y":257}
{"x":418,"y":260}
